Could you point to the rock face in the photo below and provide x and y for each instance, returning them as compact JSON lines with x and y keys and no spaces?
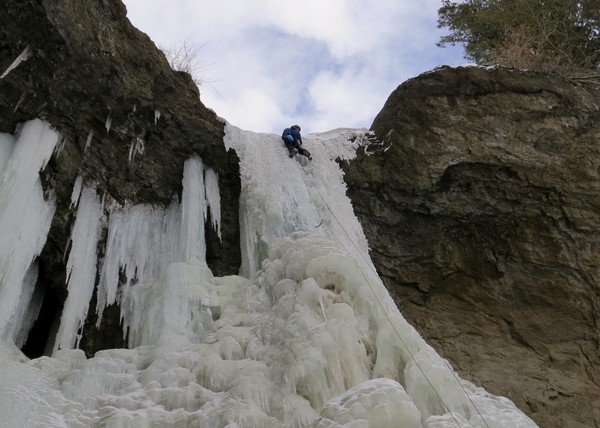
{"x":481,"y":203}
{"x":129,"y":123}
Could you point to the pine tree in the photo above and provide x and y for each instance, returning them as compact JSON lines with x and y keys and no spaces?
{"x":550,"y":35}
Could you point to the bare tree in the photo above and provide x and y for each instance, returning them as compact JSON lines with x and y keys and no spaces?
{"x":185,"y":57}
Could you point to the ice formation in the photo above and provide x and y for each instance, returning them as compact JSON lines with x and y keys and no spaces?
{"x":136,"y":147}
{"x":21,"y":99}
{"x":81,"y":268}
{"x":108,"y":122}
{"x":88,"y":140}
{"x":25,"y":218}
{"x":305,"y":336}
{"x":24,"y":56}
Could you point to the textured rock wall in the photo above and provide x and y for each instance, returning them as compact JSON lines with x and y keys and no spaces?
{"x":481,"y":204}
{"x":90,"y":66}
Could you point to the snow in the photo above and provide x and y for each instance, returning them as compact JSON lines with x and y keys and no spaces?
{"x":305,"y":336}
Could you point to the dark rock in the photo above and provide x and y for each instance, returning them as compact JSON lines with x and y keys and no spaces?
{"x":481,"y":204}
{"x":89,"y":66}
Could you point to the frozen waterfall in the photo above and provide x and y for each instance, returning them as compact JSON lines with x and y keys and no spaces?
{"x":305,"y":336}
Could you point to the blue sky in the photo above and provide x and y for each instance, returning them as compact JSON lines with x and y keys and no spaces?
{"x":324,"y":64}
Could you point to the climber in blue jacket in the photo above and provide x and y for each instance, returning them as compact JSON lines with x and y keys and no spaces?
{"x":293,"y":141}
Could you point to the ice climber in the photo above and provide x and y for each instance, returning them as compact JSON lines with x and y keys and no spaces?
{"x":293,"y":141}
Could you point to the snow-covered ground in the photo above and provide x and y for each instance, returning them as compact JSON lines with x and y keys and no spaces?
{"x":305,"y":336}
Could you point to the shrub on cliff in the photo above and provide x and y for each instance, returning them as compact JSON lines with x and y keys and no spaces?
{"x":185,"y":57}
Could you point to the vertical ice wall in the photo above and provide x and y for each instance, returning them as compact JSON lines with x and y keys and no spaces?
{"x":25,"y":218}
{"x":282,"y":195}
{"x":274,"y":201}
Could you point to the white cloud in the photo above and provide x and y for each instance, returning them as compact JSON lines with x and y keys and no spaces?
{"x":253,"y":108}
{"x":330,"y":22}
{"x":325,"y":63}
{"x":341,"y":100}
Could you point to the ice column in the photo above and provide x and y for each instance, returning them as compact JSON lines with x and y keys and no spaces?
{"x":213,"y":199}
{"x":193,"y":211}
{"x":81,"y":269}
{"x":25,"y":218}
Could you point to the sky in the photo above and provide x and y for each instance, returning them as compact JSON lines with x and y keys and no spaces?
{"x":264,"y":65}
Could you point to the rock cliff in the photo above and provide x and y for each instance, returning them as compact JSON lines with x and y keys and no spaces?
{"x":481,"y":203}
{"x":112,"y":95}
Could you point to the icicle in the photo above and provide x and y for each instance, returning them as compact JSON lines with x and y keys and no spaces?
{"x":108,"y":122}
{"x":76,"y":192}
{"x":193,"y":207}
{"x":81,"y":269}
{"x":136,"y":147}
{"x":88,"y":141}
{"x":213,"y":198}
{"x":142,"y":241}
{"x":156,"y":116}
{"x":21,"y":99}
{"x":22,"y":57}
{"x":25,"y":219}
{"x":60,"y":146}
{"x":129,"y":245}
{"x":131,"y":149}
